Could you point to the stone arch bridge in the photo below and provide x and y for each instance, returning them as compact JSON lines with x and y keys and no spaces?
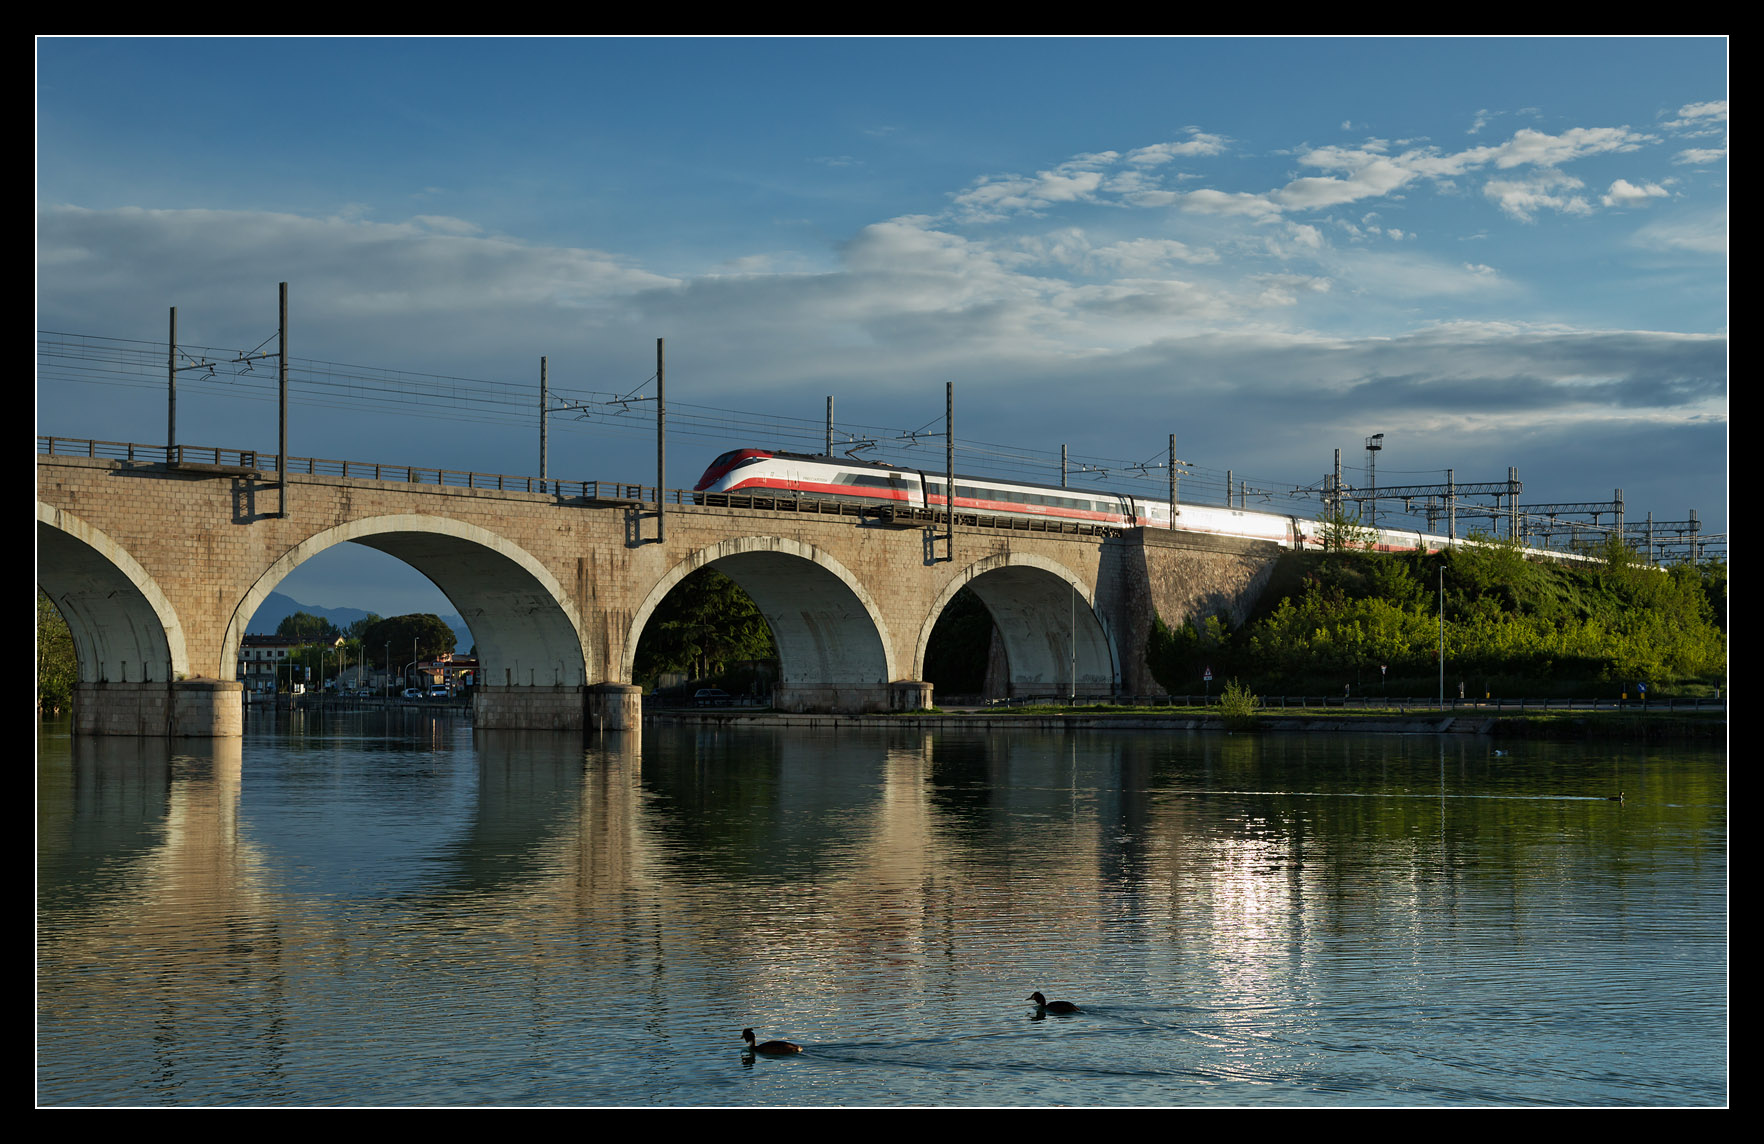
{"x":158,"y":567}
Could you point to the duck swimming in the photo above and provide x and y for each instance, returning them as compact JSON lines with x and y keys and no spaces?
{"x":772,"y":1048}
{"x":1047,"y":1006}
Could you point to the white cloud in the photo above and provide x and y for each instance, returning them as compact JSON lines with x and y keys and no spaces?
{"x":1143,"y":254}
{"x":1528,"y":147}
{"x":1626,"y":194}
{"x":1703,"y":233}
{"x":1199,"y":144}
{"x":443,"y":224}
{"x":1400,"y":277}
{"x":994,"y":198}
{"x":1376,"y":177}
{"x":430,"y":264}
{"x":1693,"y":116}
{"x":1229,"y":203}
{"x":1545,"y":190}
{"x":1284,"y":289}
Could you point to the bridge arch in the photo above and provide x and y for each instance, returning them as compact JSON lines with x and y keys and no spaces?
{"x":1046,"y":616}
{"x":116,"y":612}
{"x":523,"y":622}
{"x":834,"y":650}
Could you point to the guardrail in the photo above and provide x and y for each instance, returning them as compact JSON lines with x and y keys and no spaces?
{"x":588,"y":492}
{"x":1271,"y":703}
{"x":595,"y":492}
{"x":251,"y":459}
{"x":616,"y":492}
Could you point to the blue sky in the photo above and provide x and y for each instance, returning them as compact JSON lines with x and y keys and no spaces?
{"x":1497,"y":252}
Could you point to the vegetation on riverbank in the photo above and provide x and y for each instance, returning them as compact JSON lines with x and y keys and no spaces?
{"x":710,"y":632}
{"x":56,"y":667}
{"x":1363,"y":622}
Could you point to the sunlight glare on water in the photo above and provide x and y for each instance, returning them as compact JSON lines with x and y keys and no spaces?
{"x":374,"y":910}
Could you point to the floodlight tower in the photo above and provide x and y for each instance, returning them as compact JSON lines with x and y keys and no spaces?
{"x":1373,"y":444}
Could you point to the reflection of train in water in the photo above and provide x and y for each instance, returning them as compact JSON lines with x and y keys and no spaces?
{"x":763,"y":471}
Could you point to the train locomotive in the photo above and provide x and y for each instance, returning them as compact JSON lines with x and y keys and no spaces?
{"x":778,"y":473}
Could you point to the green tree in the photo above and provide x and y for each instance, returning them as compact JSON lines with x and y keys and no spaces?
{"x":307,"y":627}
{"x":57,"y":669}
{"x":1518,"y":627}
{"x":705,"y":623}
{"x":1342,"y":532}
{"x":1178,"y":658}
{"x":358,"y":630}
{"x":1712,"y":575}
{"x":425,"y":630}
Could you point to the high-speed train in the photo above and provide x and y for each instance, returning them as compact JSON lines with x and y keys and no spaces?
{"x":765,"y":471}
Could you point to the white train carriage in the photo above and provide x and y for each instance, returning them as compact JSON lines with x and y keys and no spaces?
{"x":761,"y":472}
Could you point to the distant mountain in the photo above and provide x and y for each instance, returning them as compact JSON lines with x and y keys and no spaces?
{"x":278,"y":607}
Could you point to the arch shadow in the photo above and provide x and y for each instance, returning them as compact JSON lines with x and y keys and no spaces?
{"x":115,"y":611}
{"x":833,"y":646}
{"x":1055,"y":641}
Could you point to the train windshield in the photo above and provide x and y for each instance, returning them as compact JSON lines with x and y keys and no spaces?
{"x":734,"y":458}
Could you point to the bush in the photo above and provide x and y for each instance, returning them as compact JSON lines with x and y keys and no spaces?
{"x":1239,"y":705}
{"x":1511,"y":626}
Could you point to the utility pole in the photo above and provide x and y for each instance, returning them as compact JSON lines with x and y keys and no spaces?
{"x":1173,"y":479}
{"x":949,"y":467}
{"x":661,"y":443}
{"x":1513,"y":487}
{"x":829,"y":425}
{"x":1373,"y":444}
{"x":544,"y":418}
{"x":1441,"y":654}
{"x":282,"y":390}
{"x":171,"y":379}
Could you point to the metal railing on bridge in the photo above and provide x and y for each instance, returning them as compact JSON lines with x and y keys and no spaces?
{"x":255,"y":461}
{"x":1274,"y":704}
{"x":590,"y":492}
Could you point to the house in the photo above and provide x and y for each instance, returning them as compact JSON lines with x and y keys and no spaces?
{"x":263,"y":660}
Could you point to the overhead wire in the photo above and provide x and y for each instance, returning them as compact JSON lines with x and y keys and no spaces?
{"x":95,"y":359}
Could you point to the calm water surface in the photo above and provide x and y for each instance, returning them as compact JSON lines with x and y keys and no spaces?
{"x":395,"y":909}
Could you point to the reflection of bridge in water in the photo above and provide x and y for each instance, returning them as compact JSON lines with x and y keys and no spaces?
{"x":158,"y":567}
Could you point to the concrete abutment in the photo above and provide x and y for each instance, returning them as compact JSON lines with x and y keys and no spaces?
{"x":194,"y":708}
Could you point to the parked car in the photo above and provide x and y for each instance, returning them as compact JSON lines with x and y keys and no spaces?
{"x":710,"y":697}
{"x":412,"y":693}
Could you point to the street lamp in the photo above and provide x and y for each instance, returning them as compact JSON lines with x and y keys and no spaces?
{"x":1373,"y":444}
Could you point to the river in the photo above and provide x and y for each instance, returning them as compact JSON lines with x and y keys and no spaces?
{"x":390,"y":908}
